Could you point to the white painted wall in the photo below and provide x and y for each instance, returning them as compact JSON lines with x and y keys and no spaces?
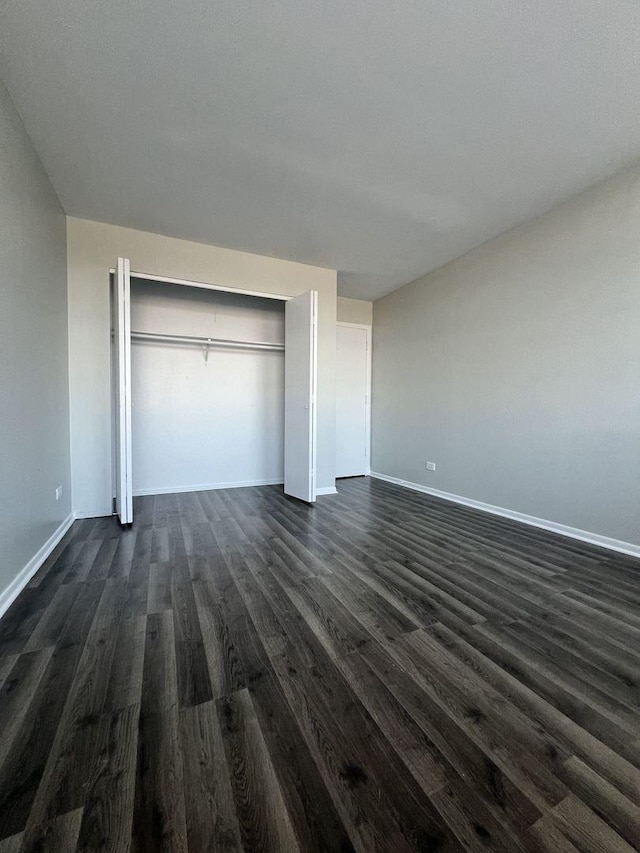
{"x":352,"y":400}
{"x":355,"y":311}
{"x":205,"y":423}
{"x":34,"y":396}
{"x":516,"y":368}
{"x":92,"y":248}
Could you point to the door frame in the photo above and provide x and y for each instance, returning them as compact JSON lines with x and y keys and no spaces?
{"x":369,"y":330}
{"x":187,"y":283}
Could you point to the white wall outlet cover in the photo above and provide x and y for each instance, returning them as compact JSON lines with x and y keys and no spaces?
{"x":58,"y":493}
{"x":430,"y":466}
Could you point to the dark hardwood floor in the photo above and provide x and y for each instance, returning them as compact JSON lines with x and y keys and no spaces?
{"x":381,"y":672}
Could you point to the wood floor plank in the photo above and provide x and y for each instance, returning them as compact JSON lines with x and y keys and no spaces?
{"x":60,"y":833}
{"x":199,"y":539}
{"x":328,"y":619}
{"x":226,"y":672}
{"x":525,"y":753}
{"x":81,"y":567}
{"x":603,"y":798}
{"x":421,"y":756}
{"x":159,"y":595}
{"x":11,"y":844}
{"x":611,"y":665}
{"x":585,"y":829}
{"x":601,"y":688}
{"x":17,"y":693}
{"x":75,"y":751}
{"x":546,"y":837}
{"x":378,"y":617}
{"x":575,"y":701}
{"x":137,"y":599}
{"x":234,"y":652}
{"x":211,"y":818}
{"x":22,"y":618}
{"x":101,"y":566}
{"x":454,"y":742}
{"x":313,"y":814}
{"x":381,"y":804}
{"x":61,"y":558}
{"x":194,"y":685}
{"x":141,"y":559}
{"x":511,"y":677}
{"x":123,"y":557}
{"x":159,"y":823}
{"x":52,"y":623}
{"x":471,"y":821}
{"x":7,"y":662}
{"x":108,"y":812}
{"x":22,"y":771}
{"x":268,"y":626}
{"x":125,"y":678}
{"x":159,"y":545}
{"x":263,"y":817}
{"x":383,"y":670}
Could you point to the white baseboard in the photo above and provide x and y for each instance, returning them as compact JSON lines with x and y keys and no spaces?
{"x":205,"y":487}
{"x":11,"y":592}
{"x":327,"y":490}
{"x":531,"y":520}
{"x":93,"y":513}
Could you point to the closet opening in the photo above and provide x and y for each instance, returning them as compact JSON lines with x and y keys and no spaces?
{"x":213,"y":388}
{"x":207,"y":389}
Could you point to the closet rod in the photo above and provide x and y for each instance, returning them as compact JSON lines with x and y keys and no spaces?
{"x":217,"y":342}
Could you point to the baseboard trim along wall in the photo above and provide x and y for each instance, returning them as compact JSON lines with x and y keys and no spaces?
{"x":327,"y":490}
{"x":531,"y":520}
{"x":205,"y":487}
{"x":11,"y":592}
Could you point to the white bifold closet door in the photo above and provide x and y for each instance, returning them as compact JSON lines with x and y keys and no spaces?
{"x":122,"y":387}
{"x":301,"y":353}
{"x":300,"y":379}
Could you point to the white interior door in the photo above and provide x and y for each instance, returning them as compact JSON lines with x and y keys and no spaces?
{"x":122,"y":387}
{"x":300,"y":377}
{"x":352,"y":390}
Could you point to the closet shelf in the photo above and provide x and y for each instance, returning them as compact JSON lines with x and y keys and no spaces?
{"x":227,"y":343}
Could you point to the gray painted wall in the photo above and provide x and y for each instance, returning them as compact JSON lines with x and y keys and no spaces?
{"x":516,"y":368}
{"x":355,"y":311}
{"x":34,"y":368}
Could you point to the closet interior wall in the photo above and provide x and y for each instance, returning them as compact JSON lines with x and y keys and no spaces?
{"x":202,"y":421}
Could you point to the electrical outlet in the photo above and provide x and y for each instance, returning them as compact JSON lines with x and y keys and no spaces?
{"x":430,"y":466}
{"x":58,"y":493}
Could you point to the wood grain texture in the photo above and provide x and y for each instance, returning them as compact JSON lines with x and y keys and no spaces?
{"x":263,"y":817}
{"x":212,"y":823}
{"x":380,"y":672}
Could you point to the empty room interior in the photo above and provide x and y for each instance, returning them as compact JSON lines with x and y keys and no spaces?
{"x":320,"y":426}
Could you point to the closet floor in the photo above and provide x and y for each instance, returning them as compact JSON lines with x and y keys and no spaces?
{"x":382,"y":671}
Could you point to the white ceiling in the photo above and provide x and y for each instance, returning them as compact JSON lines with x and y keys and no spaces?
{"x":381,"y":138}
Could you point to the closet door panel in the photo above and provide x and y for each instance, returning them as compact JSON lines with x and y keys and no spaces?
{"x":300,"y":379}
{"x":122,"y":342}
